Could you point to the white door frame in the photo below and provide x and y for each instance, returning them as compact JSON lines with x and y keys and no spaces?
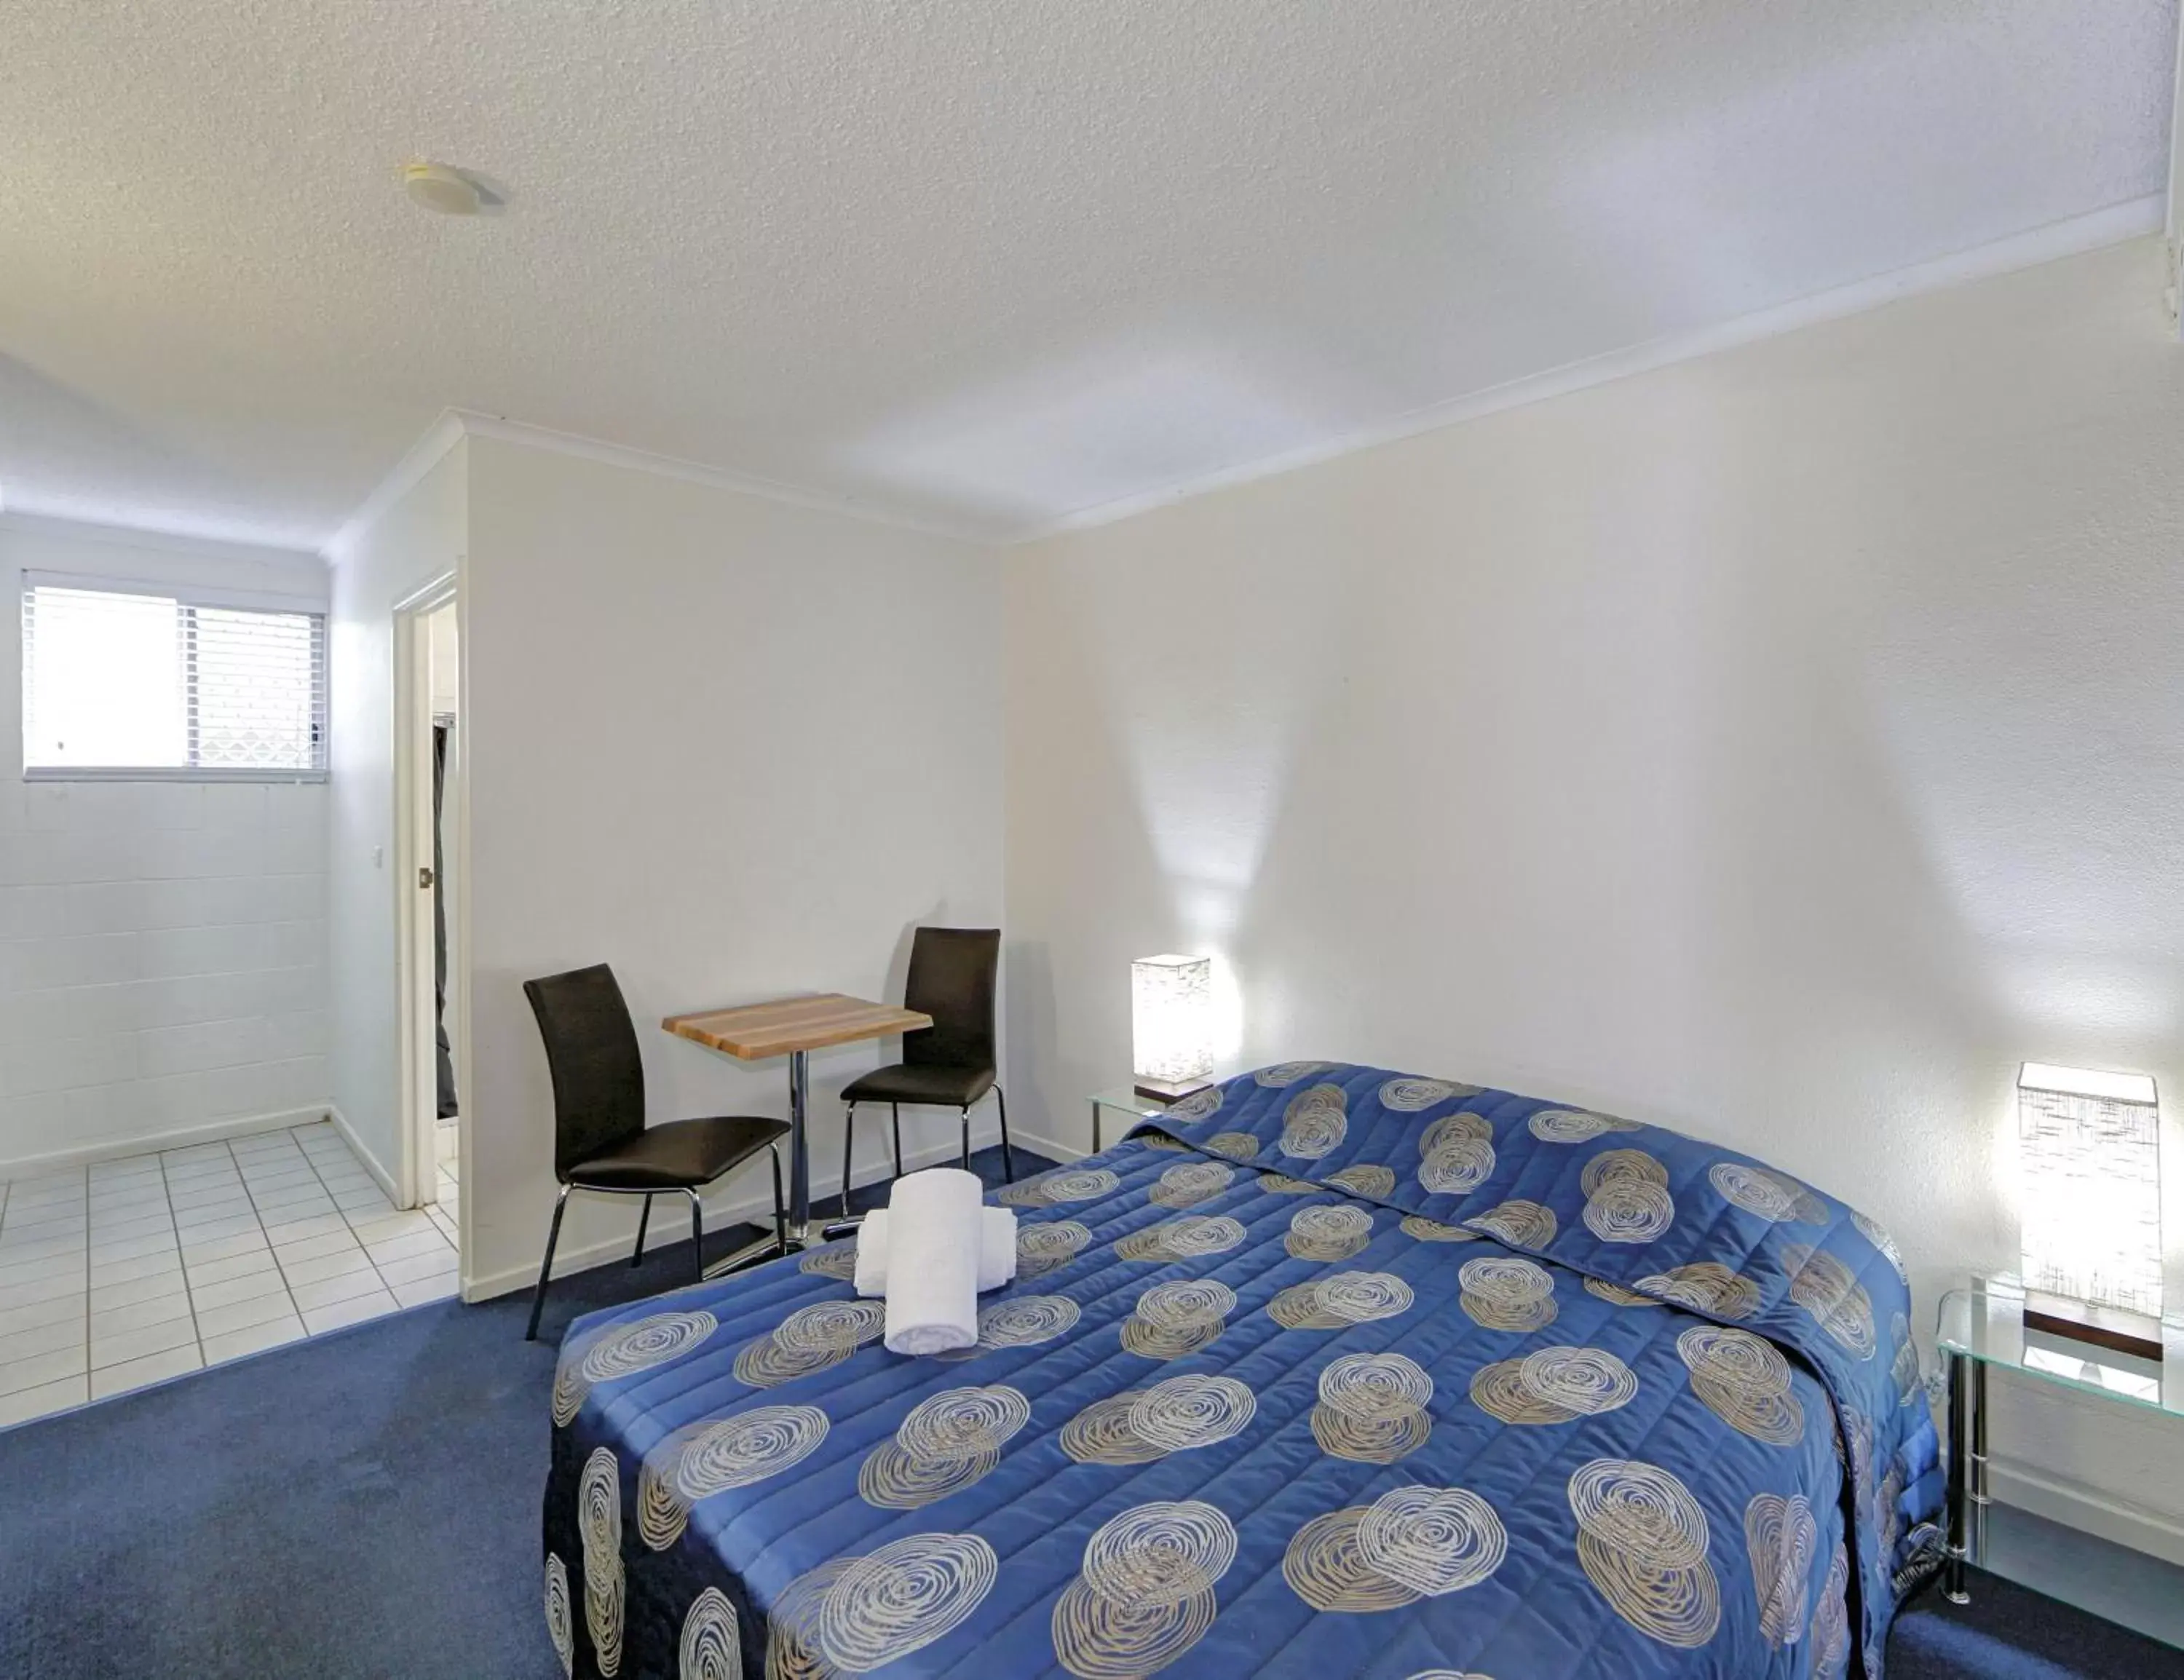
{"x":417,"y":1093}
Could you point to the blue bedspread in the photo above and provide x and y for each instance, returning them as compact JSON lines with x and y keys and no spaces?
{"x":1333,"y":1373}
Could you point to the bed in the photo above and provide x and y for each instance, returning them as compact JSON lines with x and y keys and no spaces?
{"x":1333,"y":1371}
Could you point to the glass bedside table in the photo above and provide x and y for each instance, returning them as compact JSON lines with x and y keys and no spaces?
{"x":1127,"y":1109}
{"x":1984,"y":1326}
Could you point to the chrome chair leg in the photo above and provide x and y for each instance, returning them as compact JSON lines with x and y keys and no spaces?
{"x":780,"y":1205}
{"x":697,"y":1232}
{"x":643,"y":1219}
{"x":546,"y":1266}
{"x":1008,"y":1160}
{"x":895,"y":1110}
{"x":849,"y":1145}
{"x":966,"y":1137}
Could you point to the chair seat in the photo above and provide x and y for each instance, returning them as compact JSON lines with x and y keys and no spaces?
{"x":953,"y":1087}
{"x":680,"y":1155}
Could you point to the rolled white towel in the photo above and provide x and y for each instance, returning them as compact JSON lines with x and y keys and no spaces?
{"x":997,"y":1251}
{"x":933,"y":1237}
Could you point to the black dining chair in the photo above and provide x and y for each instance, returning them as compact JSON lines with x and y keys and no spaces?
{"x":947,"y":1065}
{"x":600,"y":1140}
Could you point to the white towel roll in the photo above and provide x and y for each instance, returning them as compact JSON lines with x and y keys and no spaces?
{"x":997,"y":1251}
{"x":933,"y":1237}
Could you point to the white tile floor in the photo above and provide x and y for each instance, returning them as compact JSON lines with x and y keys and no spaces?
{"x":129,"y":1271}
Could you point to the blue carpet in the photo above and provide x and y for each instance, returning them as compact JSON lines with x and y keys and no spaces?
{"x":2009,"y":1633}
{"x":364,"y":1506}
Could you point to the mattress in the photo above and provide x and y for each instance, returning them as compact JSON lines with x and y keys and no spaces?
{"x":1333,"y":1371}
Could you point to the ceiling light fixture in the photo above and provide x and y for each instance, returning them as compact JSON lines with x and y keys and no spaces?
{"x":442,"y":188}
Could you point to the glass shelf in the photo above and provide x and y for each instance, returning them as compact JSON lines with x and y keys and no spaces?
{"x":1985,"y":1323}
{"x":1116,"y":1111}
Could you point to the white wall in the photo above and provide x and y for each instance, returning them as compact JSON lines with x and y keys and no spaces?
{"x":415,"y":539}
{"x":736,"y":748}
{"x":1778,"y":746}
{"x":163,"y":944}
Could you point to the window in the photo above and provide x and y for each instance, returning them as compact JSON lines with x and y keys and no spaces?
{"x":131,"y":680}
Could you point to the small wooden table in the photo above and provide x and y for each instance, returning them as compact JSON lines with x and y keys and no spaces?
{"x":794,"y":1027}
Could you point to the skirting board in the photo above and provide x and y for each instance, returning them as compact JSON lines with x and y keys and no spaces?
{"x":181,"y":1137}
{"x":2075,"y":1506}
{"x":380,"y":1176}
{"x":752,"y":1209}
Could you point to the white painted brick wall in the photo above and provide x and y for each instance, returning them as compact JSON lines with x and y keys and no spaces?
{"x":163,"y":945}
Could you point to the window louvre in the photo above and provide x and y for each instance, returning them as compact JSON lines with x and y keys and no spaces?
{"x":123,"y":679}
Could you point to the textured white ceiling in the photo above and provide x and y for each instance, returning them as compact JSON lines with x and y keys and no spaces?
{"x":990,"y":264}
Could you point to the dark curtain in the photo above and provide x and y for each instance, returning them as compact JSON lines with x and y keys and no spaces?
{"x":447,"y":1108}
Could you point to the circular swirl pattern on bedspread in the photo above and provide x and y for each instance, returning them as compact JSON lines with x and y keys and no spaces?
{"x":1506,"y":1293}
{"x":560,"y":1627}
{"x":1432,"y":1540}
{"x":810,"y":1338}
{"x":1782,"y":1540}
{"x":701,"y":1460}
{"x":1101,"y":1433}
{"x":1372,"y":1408}
{"x":1023,"y":1322}
{"x":1575,"y":1126}
{"x":1525,"y":1225}
{"x":1707,"y":1287}
{"x":947,"y":1442}
{"x":1189,"y":1238}
{"x":1425,"y":1229}
{"x":1175,"y":1319}
{"x":834,"y":1260}
{"x":1877,"y":1234}
{"x":883,"y":1605}
{"x":1369,"y":1179}
{"x":1554,"y":1385}
{"x":1145,"y":1593}
{"x":1745,"y":1381}
{"x":1040,"y":1249}
{"x":1237,"y":1146}
{"x":1328,"y":1234}
{"x":710,"y":1649}
{"x":599,"y":1524}
{"x":1410,"y":1096}
{"x":1286,"y":1073}
{"x":1315,"y":1122}
{"x":1771,"y":1196}
{"x":1629,"y":1210}
{"x":624,"y":1350}
{"x":963,"y":1421}
{"x":1642,"y":1543}
{"x":1187,"y":1184}
{"x":1824,"y":1287}
{"x":1196,"y":1106}
{"x":1830,"y":1631}
{"x":1324,"y":1567}
{"x":1347,"y":1297}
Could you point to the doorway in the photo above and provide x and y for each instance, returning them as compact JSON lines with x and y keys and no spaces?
{"x":431,"y":805}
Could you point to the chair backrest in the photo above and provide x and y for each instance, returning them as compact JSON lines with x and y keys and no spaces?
{"x":951,"y":979}
{"x":591,"y":1050}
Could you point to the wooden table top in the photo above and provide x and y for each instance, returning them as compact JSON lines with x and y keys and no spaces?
{"x":757,"y":1031}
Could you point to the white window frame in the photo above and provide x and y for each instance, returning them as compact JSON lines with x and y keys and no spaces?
{"x":188,"y":595}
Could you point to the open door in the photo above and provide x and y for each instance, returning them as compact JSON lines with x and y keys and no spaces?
{"x":432,"y":989}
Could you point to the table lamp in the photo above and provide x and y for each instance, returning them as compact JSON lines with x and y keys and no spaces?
{"x":1171,"y":1025}
{"x":2089,"y":1146}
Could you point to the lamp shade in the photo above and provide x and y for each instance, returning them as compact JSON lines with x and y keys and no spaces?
{"x":2089,"y":1147}
{"x":1172,"y":1019}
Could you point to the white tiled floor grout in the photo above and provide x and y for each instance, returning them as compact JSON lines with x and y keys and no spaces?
{"x":133,"y":1271}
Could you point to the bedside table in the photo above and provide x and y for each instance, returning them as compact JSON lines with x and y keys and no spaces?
{"x":1127,"y":1106}
{"x":1984,"y":1326}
